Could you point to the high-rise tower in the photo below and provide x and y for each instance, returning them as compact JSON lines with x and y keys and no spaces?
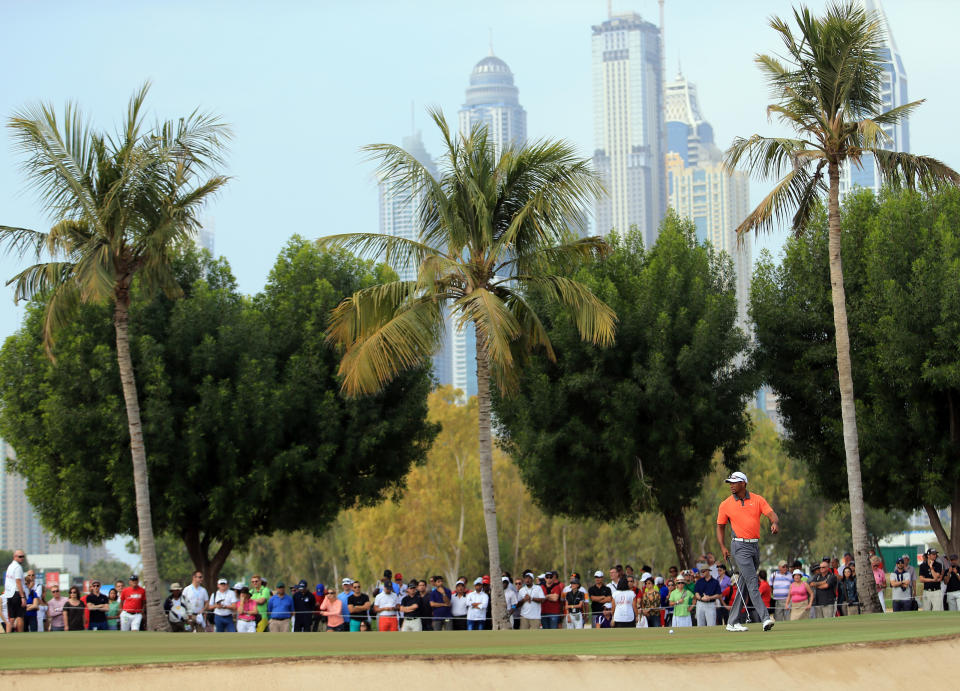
{"x":628,"y":125}
{"x":701,"y":189}
{"x":893,"y":93}
{"x":493,"y":100}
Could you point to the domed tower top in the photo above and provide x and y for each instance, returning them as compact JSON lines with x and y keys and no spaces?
{"x":491,"y":82}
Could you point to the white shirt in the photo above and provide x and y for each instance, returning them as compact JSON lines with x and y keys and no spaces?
{"x":228,"y":597}
{"x":623,"y":603}
{"x":474,"y":598}
{"x":530,"y":610}
{"x":458,"y":605}
{"x":194,"y":598}
{"x":14,"y":571}
{"x":388,"y":601}
{"x":510,"y":596}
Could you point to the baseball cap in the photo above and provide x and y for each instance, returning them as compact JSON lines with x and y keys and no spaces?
{"x":658,"y":580}
{"x":461,"y":581}
{"x":542,"y":575}
{"x":797,"y":572}
{"x":574,"y":580}
{"x":782,"y":562}
{"x":346,"y":581}
{"x":280,"y":585}
{"x":645,"y":577}
{"x":321,"y":588}
{"x":485,"y":580}
{"x":528,"y":573}
{"x":412,"y":584}
{"x":932,"y":551}
{"x":133,"y":577}
{"x":302,"y":584}
{"x":954,"y":556}
{"x":173,"y":586}
{"x":477,"y":581}
{"x":505,"y":579}
{"x":238,"y":586}
{"x":398,"y":576}
{"x":94,"y":583}
{"x":223,"y":581}
{"x":737,"y":477}
{"x":681,"y":579}
{"x":598,"y":574}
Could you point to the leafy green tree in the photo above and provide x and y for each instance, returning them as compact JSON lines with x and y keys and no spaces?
{"x":491,"y":227}
{"x":108,"y":571}
{"x":829,"y":92}
{"x":240,"y":402}
{"x":121,"y":206}
{"x":611,"y":433}
{"x":903,"y":256}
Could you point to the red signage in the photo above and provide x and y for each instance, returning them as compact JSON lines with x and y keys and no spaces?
{"x":51,"y":579}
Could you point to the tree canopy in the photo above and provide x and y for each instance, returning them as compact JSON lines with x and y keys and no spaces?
{"x":610,"y":433}
{"x":903,"y":292}
{"x":240,"y":402}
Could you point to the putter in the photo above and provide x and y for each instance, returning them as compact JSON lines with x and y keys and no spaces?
{"x":739,"y":578}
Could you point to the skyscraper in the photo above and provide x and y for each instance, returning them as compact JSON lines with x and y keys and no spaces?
{"x":629,"y":125}
{"x":701,"y":189}
{"x":893,"y":94}
{"x":492,"y":99}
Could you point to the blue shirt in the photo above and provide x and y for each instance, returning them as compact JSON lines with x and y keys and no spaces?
{"x":280,"y":607}
{"x":346,"y":610}
{"x":705,"y":587}
{"x":437,"y":596}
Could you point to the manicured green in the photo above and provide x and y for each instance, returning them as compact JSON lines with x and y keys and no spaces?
{"x":110,"y":648}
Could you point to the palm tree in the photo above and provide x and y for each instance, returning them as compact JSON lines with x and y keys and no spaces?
{"x":492,"y":230}
{"x":121,"y":206}
{"x":827,"y":90}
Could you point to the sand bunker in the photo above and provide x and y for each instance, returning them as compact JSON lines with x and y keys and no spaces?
{"x":848,"y":667}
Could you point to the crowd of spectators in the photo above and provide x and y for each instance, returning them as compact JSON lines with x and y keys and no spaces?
{"x":621,"y":597}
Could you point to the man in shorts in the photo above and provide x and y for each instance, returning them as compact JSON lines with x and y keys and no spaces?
{"x":14,"y":593}
{"x":742,"y":510}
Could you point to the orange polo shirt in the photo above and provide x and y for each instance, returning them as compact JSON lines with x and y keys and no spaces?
{"x":744,"y":517}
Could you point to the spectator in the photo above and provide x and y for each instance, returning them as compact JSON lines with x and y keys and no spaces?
{"x":880,"y":579}
{"x":681,"y":599}
{"x":133,"y":599}
{"x":625,"y":605}
{"x":98,"y":606}
{"x":835,"y":566}
{"x":800,"y":596}
{"x":346,"y":590}
{"x":458,"y":606}
{"x":223,"y":603}
{"x":195,"y":598}
{"x":73,"y":610}
{"x":398,"y":584}
{"x":724,"y":581}
{"x":174,"y":607}
{"x":260,"y":594}
{"x":952,"y":579}
{"x":600,"y":597}
{"x":332,"y":609}
{"x":488,"y":618}
{"x":113,"y":611}
{"x":280,"y":610}
{"x":552,"y":608}
{"x":780,"y":590}
{"x":847,"y":560}
{"x":32,"y":601}
{"x":824,"y":586}
{"x":247,"y":612}
{"x":14,"y":594}
{"x":712,"y":565}
{"x":706,"y":593}
{"x":510,"y":599}
{"x":901,"y":587}
{"x":650,"y":600}
{"x":847,"y":592}
{"x":529,"y":599}
{"x":477,"y":602}
{"x":574,"y":604}
{"x":385,"y":606}
{"x":930,"y":575}
{"x":425,"y":613}
{"x":358,"y":605}
{"x":410,"y":605}
{"x":55,"y":609}
{"x":908,"y":563}
{"x":672,"y":574}
{"x":303,"y":606}
{"x":319,"y":620}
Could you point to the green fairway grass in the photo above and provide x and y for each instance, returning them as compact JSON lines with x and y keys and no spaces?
{"x":107,"y":648}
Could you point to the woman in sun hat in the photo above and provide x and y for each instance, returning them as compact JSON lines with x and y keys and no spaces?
{"x":800,"y":596}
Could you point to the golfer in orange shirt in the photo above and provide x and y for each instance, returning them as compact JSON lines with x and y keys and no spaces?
{"x":742,"y":511}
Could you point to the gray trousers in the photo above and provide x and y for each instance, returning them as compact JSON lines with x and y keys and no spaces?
{"x":747,"y":557}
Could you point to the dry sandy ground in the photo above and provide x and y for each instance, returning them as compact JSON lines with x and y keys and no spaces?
{"x":850,"y":667}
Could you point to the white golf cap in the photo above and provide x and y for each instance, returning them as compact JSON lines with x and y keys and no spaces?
{"x":542,"y":575}
{"x":223,"y":581}
{"x":797,"y":572}
{"x":737,"y":477}
{"x":346,"y":581}
{"x":477,"y":581}
{"x":645,"y":577}
{"x":658,"y":580}
{"x":505,"y":579}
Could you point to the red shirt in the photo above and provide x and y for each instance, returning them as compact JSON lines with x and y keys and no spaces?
{"x":134,"y":599}
{"x":765,"y":592}
{"x":548,"y":607}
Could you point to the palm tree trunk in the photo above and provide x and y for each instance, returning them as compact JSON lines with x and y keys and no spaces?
{"x":866,"y":587}
{"x":498,"y":604}
{"x":148,"y":552}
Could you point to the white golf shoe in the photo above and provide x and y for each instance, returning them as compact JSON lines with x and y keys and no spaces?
{"x":737,"y":627}
{"x":768,"y":623}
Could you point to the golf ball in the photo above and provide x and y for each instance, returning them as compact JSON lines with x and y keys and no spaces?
{"x":671,"y":630}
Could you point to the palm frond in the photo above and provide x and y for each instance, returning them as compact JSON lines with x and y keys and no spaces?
{"x":394,"y":250}
{"x":596,"y":321}
{"x":901,"y":169}
{"x":61,"y":308}
{"x":564,"y":258}
{"x":494,"y":322}
{"x":768,"y":157}
{"x":21,"y":241}
{"x":40,"y":279}
{"x":793,"y":191}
